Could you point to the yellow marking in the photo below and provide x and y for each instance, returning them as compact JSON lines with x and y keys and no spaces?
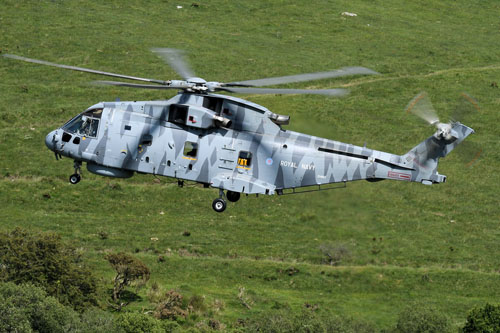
{"x":189,"y":158}
{"x":242,"y":161}
{"x":83,"y":138}
{"x":241,"y":167}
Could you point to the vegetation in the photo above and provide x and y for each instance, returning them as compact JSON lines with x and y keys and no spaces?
{"x":45,"y":260}
{"x":419,"y":319}
{"x":27,"y":308}
{"x":394,"y":243}
{"x":485,"y":319}
{"x":129,"y":271}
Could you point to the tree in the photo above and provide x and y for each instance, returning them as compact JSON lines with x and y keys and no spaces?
{"x":129,"y":270}
{"x":483,"y":320}
{"x":46,"y":261}
{"x":27,"y":308}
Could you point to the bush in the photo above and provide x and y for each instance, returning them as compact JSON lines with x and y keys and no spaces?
{"x":420,"y":319}
{"x":305,"y":321}
{"x":334,"y":254}
{"x":27,"y":308}
{"x":142,"y":323}
{"x":171,"y":306}
{"x":129,"y":270}
{"x":485,"y":320}
{"x":44,"y":260}
{"x":97,"y":321}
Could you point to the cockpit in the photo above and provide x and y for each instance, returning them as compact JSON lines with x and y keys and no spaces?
{"x":85,"y":124}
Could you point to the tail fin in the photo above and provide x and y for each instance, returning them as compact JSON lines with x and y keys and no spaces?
{"x":425,"y":156}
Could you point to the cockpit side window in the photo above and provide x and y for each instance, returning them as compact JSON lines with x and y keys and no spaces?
{"x":85,"y":124}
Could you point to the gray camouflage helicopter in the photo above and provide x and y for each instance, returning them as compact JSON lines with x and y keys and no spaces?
{"x":232,"y":144}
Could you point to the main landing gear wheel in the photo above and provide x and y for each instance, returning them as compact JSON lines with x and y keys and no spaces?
{"x":219,"y":205}
{"x":233,"y":196}
{"x":74,"y":178}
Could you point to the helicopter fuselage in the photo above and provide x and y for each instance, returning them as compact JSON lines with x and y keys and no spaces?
{"x":223,"y":142}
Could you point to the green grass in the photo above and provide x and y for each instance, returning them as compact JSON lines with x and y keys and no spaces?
{"x":408,"y":242}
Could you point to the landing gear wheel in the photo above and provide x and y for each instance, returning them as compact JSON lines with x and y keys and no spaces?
{"x":74,"y":178}
{"x":219,"y":205}
{"x":233,"y":196}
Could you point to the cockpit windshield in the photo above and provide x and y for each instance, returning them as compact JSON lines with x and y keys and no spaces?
{"x":85,"y":124}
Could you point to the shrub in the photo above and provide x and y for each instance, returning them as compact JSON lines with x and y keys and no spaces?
{"x":420,"y":319}
{"x":97,"y":321}
{"x":485,"y":320}
{"x":27,"y":308}
{"x":305,"y":321}
{"x":129,"y":270}
{"x":44,"y":260}
{"x":334,"y":254}
{"x":171,"y":306}
{"x":142,"y":323}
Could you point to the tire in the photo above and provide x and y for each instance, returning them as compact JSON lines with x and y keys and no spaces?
{"x":233,"y":196}
{"x":219,"y":205}
{"x":74,"y":178}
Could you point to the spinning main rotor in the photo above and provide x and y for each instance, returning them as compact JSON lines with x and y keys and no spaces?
{"x":192,"y":83}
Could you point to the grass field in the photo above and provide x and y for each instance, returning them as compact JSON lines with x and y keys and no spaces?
{"x":408,"y":243}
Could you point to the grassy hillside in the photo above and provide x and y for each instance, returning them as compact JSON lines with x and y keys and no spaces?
{"x":406,"y":242}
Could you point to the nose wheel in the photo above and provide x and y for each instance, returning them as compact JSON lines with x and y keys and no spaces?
{"x":76,"y":177}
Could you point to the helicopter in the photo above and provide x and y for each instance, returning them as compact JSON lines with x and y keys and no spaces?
{"x":232,"y":144}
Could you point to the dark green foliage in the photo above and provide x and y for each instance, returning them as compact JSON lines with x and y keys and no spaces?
{"x":129,"y":270}
{"x":306,"y":321}
{"x":422,"y":319}
{"x":483,"y":320}
{"x":44,"y":260}
{"x":27,"y":308}
{"x":142,"y":323}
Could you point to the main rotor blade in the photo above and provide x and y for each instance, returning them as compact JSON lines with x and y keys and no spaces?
{"x":329,"y":92}
{"x":304,"y":77}
{"x":80,"y":69}
{"x":176,"y":60}
{"x":135,"y":85}
{"x":421,"y":106}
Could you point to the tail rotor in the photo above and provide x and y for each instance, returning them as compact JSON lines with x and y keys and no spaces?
{"x":421,"y":107}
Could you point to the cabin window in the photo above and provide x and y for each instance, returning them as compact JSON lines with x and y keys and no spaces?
{"x":177,"y":114}
{"x":147,"y":140}
{"x":190,"y":149}
{"x":245,"y":159}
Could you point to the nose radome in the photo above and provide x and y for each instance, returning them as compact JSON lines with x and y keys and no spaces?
{"x":49,"y":140}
